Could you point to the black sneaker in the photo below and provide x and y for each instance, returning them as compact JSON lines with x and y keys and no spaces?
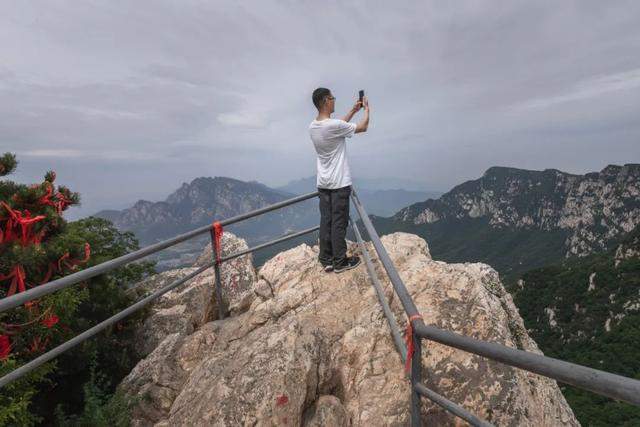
{"x":347,"y":264}
{"x":328,"y":268}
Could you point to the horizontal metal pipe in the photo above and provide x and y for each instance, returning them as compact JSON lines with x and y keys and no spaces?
{"x":271,"y":243}
{"x":396,"y":281}
{"x":39,"y":291}
{"x":451,"y":407}
{"x":28,"y":367}
{"x":391,"y":320}
{"x":600,"y":382}
{"x":266,"y":209}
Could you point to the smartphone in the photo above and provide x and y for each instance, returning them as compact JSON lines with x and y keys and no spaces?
{"x":361,"y":95}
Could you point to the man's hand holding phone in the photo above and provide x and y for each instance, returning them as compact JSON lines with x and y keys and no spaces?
{"x":360,"y":103}
{"x":364,"y":123}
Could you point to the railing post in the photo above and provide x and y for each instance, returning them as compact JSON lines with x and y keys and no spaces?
{"x":221,"y":309}
{"x":216,"y":251}
{"x":416,"y":378}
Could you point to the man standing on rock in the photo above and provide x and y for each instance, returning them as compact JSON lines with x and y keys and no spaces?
{"x":334,"y":178}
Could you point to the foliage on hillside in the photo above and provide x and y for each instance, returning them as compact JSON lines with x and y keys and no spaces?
{"x":511,"y":251}
{"x":587,"y":311}
{"x":111,"y":352}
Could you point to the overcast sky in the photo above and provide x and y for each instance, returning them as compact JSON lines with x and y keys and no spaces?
{"x":127,"y":100}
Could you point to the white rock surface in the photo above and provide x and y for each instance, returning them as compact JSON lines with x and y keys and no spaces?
{"x":189,"y":306}
{"x":313,"y":348}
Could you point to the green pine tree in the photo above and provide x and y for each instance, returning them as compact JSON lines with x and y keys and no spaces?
{"x":36,"y":246}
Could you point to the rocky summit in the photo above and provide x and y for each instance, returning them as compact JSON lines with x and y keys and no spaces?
{"x":305,"y":347}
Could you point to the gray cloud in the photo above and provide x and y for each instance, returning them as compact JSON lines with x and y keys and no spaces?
{"x":128,"y":99}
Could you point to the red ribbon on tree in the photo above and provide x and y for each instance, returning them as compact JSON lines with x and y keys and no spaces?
{"x":18,"y":225}
{"x":22,"y":220}
{"x":409,"y":341}
{"x":70,"y":263}
{"x":49,"y":273}
{"x":87,"y":255}
{"x":17,"y":277}
{"x":38,"y":344}
{"x":216,"y":236}
{"x":5,"y":346}
{"x":50,"y":321}
{"x":53,"y":266}
{"x":61,"y":201}
{"x":46,"y":198}
{"x":62,"y":259}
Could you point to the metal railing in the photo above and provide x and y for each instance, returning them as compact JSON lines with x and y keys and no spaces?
{"x":600,"y":382}
{"x":399,"y":343}
{"x":604,"y":383}
{"x":75,"y":278}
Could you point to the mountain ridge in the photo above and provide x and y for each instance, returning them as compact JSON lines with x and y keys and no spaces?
{"x":197,"y":203}
{"x":516,"y":220}
{"x":204,"y":200}
{"x":593,"y":207}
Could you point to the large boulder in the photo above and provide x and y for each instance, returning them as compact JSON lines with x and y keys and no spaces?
{"x":237,"y":275}
{"x":158,"y":379}
{"x":313,"y":348}
{"x":192,"y":304}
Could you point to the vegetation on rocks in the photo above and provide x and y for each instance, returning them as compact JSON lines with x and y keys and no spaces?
{"x":587,"y":311}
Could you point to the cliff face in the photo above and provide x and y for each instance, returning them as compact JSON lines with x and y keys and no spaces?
{"x":592,"y":209}
{"x":304,"y":347}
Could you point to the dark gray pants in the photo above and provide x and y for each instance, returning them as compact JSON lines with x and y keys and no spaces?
{"x":334,"y":217}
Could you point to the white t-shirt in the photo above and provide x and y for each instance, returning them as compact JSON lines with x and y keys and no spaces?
{"x":328,"y":138}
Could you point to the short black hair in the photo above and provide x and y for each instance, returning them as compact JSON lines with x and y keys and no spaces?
{"x":318,"y":96}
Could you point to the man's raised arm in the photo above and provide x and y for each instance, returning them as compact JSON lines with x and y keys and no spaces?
{"x":364,"y":123}
{"x":356,"y":107}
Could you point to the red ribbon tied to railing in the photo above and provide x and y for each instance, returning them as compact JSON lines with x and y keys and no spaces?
{"x":216,"y":235}
{"x":409,"y":341}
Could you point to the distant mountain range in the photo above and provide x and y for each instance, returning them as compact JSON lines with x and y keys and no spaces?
{"x":205,"y":199}
{"x":516,"y":219}
{"x":381,"y":197}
